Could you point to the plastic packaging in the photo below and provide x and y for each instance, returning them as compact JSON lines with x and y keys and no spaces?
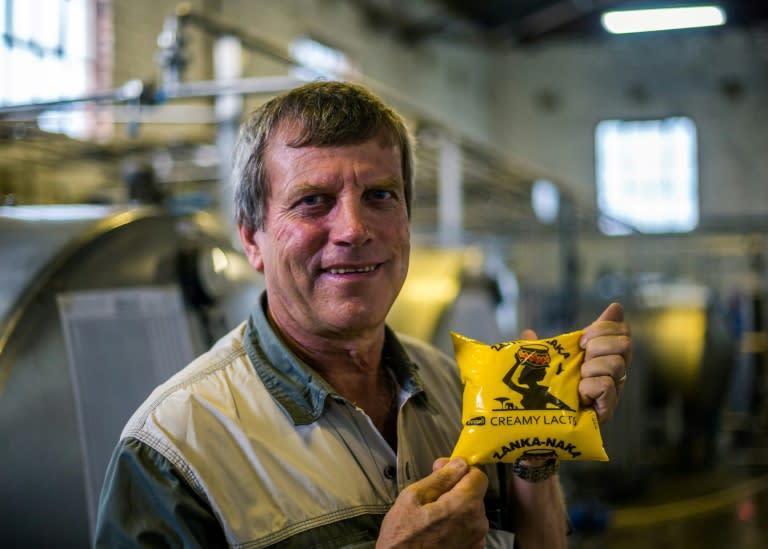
{"x":522,"y":397}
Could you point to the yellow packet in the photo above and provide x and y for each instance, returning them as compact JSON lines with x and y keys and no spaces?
{"x":522,"y":397}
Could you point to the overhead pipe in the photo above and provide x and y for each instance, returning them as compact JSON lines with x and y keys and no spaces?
{"x":173,"y":62}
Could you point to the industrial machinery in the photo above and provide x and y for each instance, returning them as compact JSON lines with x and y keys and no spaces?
{"x":670,"y":409}
{"x":455,"y":289}
{"x":98,"y":305}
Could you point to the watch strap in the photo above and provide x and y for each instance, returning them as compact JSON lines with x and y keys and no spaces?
{"x":536,"y":473}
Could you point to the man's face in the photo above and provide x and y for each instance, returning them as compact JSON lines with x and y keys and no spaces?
{"x":335,"y":244}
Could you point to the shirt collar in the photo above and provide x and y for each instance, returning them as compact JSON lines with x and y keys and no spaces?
{"x":300,"y":390}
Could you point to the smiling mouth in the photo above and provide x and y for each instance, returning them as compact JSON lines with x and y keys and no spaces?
{"x":351,"y":270}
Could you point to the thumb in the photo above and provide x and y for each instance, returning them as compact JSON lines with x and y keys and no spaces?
{"x":528,"y":334}
{"x":440,"y":463}
{"x":613,"y":312}
{"x":440,"y":481}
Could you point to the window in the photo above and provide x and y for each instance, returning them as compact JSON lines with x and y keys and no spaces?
{"x":44,"y":55}
{"x":647,"y":176}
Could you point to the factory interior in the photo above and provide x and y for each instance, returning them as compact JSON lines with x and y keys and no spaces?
{"x":560,"y":167}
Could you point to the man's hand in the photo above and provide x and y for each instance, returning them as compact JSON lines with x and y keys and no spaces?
{"x":444,"y":509}
{"x":607,"y":344}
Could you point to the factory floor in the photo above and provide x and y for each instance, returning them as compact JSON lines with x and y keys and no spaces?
{"x":722,"y":505}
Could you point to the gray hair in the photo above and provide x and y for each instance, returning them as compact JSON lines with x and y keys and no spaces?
{"x":326,"y":114}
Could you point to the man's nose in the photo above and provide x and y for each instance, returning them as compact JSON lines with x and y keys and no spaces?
{"x":350,"y":224}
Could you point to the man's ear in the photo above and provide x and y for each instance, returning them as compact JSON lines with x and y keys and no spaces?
{"x":251,"y":247}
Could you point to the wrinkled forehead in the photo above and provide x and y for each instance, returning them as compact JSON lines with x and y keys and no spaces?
{"x":294,"y":132}
{"x":290,"y":152}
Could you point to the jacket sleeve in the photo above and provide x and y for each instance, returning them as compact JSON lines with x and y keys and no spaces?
{"x":145,"y":502}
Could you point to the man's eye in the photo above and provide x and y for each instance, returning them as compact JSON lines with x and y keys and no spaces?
{"x":381,"y":194}
{"x":313,"y":200}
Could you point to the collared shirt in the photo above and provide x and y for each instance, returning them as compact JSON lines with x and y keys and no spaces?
{"x":249,"y":447}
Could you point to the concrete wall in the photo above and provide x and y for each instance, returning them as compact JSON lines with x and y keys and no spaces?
{"x":547,"y":100}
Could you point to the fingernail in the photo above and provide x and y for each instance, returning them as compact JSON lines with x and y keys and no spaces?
{"x":583,"y":342}
{"x":457,"y":463}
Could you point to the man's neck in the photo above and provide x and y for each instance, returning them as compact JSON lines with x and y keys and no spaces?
{"x":350,"y":364}
{"x":353,"y":367}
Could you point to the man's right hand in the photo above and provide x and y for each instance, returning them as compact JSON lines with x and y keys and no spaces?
{"x":443,"y":510}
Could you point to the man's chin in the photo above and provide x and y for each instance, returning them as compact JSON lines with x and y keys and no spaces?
{"x":357,"y":321}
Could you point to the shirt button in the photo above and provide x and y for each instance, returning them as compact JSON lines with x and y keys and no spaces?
{"x":390,"y":472}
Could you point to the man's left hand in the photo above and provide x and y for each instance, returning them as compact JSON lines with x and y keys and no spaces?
{"x":607,"y":344}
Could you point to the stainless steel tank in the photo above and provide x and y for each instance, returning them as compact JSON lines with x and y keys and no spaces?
{"x":97,"y":306}
{"x":449,"y":289}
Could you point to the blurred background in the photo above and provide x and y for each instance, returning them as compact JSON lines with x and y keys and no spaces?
{"x":561,"y":166}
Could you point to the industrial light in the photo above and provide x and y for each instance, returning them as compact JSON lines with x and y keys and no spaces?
{"x":627,"y":21}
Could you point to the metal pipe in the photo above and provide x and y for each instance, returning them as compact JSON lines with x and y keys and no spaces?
{"x":227,"y":55}
{"x":450,"y":195}
{"x":132,"y":90}
{"x":247,"y":86}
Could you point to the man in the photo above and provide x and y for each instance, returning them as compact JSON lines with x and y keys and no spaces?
{"x":313,"y":424}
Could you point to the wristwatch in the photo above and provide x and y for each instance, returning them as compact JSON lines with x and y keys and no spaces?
{"x":546,"y":466}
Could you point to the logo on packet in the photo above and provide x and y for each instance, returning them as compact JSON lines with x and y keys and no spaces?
{"x":532,"y":361}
